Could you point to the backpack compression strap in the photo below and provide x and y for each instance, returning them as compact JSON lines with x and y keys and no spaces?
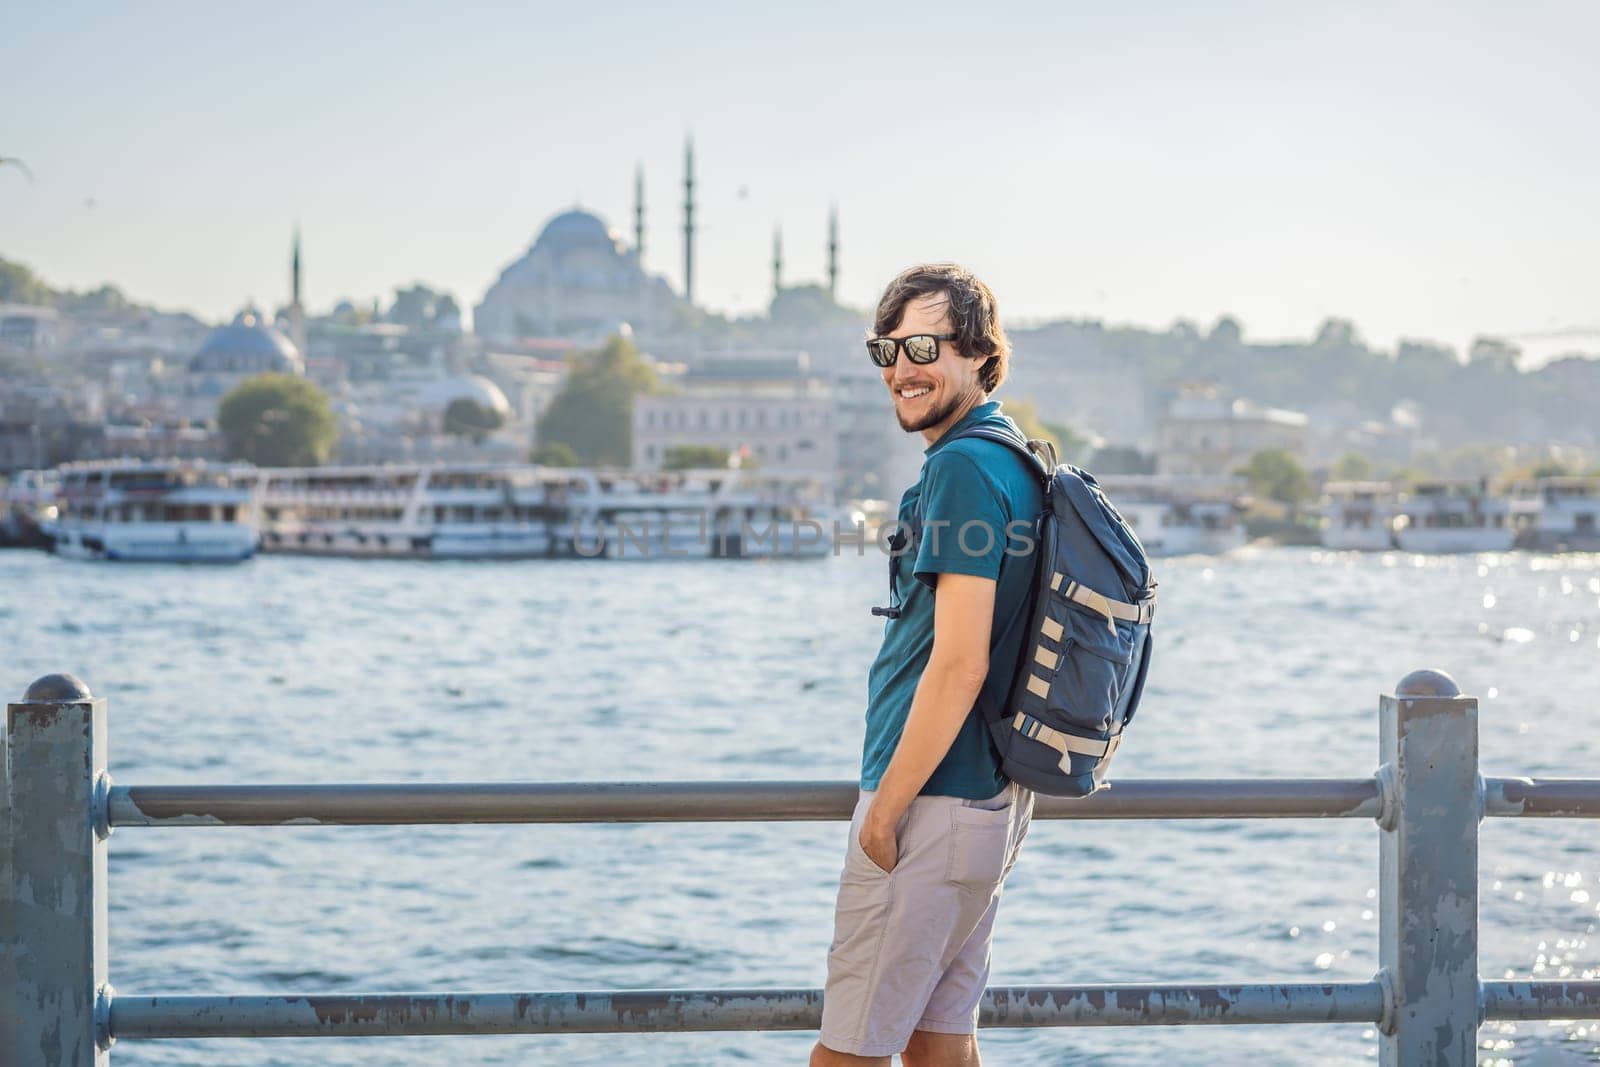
{"x":1067,"y":744}
{"x":1142,"y":612}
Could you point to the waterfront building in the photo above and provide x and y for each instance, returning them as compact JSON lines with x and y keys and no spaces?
{"x":530,"y":383}
{"x":27,"y":328}
{"x":767,"y":409}
{"x":1207,"y":433}
{"x":400,"y":417}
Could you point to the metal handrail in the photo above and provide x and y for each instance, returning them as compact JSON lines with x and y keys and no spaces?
{"x":655,"y":1011}
{"x":753,"y":801}
{"x":1427,"y":798}
{"x":419,"y":804}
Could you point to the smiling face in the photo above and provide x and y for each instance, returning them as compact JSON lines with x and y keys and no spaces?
{"x":931,"y":397}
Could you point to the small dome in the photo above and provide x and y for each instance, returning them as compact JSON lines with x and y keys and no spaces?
{"x":436,"y":396}
{"x":247,"y":344}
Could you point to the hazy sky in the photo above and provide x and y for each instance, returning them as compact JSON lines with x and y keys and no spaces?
{"x":1425,"y":170}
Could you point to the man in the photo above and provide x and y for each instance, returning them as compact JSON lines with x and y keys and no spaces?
{"x":937,"y":827}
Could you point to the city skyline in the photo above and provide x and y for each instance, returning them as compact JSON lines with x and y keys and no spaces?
{"x":1281,"y":168}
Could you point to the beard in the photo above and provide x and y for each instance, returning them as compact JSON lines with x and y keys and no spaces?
{"x":935,"y":414}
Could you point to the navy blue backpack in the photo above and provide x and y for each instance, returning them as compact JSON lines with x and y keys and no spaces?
{"x":1087,"y":648}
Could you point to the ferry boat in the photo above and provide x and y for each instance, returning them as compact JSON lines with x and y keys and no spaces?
{"x":28,"y":510}
{"x":1454,"y":517}
{"x":385,"y":511}
{"x":1568,"y":515}
{"x":1358,"y":516}
{"x":169,"y":512}
{"x":1175,"y":515}
{"x":484,"y":511}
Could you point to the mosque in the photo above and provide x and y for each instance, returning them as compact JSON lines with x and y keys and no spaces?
{"x":578,"y":280}
{"x":581,"y":280}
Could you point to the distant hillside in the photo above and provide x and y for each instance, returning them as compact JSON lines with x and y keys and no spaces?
{"x":20,"y":285}
{"x":1482,"y":397}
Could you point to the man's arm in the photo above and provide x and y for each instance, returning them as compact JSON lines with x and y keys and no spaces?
{"x":963,"y":612}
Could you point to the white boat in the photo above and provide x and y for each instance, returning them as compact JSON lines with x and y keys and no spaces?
{"x":479,"y":511}
{"x":1358,"y":516}
{"x":713,"y":513}
{"x":1454,"y":517}
{"x":445,"y":511}
{"x":1568,"y":518}
{"x":168,"y":512}
{"x":1178,"y":515}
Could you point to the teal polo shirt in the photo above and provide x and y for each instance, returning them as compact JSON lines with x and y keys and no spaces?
{"x":965,"y":486}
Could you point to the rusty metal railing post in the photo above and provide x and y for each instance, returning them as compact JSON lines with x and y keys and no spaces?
{"x":1428,"y":873}
{"x":53,"y":878}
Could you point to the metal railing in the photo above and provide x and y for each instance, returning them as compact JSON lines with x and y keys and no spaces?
{"x":1427,"y":1000}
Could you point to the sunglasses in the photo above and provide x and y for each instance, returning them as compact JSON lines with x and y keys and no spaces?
{"x":921,"y":348}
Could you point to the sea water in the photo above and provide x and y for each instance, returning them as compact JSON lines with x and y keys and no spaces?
{"x":1268,"y":663}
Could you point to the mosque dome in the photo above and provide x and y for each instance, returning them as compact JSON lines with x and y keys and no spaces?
{"x":247,"y":345}
{"x":437,"y":396}
{"x":577,"y":230}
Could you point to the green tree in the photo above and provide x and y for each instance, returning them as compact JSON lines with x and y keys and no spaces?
{"x":1069,"y":443}
{"x":593,"y":412}
{"x":465,"y":417}
{"x":1351,"y":467}
{"x":689,"y":457}
{"x":19,"y":285}
{"x":107,"y":299}
{"x":1499,"y":355}
{"x":278,"y":420}
{"x":554,"y":454}
{"x":1277,"y":475}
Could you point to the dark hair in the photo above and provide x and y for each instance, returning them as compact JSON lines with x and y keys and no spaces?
{"x":974,"y":317}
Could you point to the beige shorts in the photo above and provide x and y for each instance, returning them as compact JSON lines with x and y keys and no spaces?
{"x":911,"y":946}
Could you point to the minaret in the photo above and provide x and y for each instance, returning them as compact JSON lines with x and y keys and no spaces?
{"x":297,"y":310}
{"x":638,"y":212}
{"x":688,"y":220}
{"x":833,"y":251}
{"x":777,"y":260}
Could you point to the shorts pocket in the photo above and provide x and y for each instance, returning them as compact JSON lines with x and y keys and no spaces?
{"x":980,"y":840}
{"x":857,"y":861}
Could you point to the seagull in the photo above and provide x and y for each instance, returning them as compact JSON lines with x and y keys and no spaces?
{"x":19,"y":164}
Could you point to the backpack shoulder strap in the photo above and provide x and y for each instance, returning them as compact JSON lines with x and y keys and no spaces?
{"x":1040,"y":455}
